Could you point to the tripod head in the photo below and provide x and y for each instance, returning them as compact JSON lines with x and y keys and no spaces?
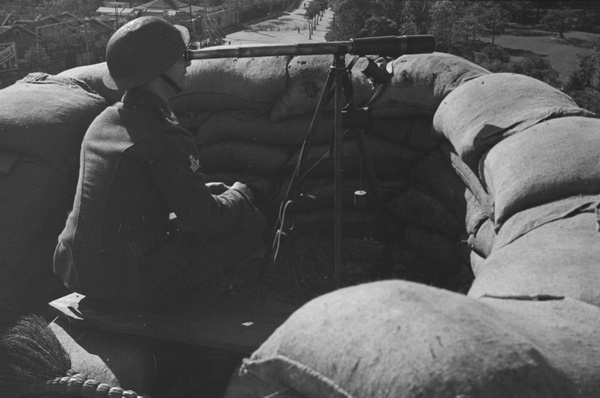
{"x":391,"y":46}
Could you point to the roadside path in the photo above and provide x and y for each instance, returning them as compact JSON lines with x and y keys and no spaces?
{"x":291,"y":27}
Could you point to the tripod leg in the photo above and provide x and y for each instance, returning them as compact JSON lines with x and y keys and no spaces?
{"x":291,"y":193}
{"x":337,"y":152}
{"x":314,"y":124}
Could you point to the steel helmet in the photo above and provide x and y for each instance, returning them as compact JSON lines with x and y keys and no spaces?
{"x":142,"y":50}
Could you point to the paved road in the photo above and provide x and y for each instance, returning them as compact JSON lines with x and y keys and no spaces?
{"x":291,"y":27}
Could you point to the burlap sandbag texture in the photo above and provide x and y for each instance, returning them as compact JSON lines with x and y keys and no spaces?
{"x":485,"y":110}
{"x":43,"y":119}
{"x":307,"y":76}
{"x":232,"y":83}
{"x":421,"y":81}
{"x":46,"y":116}
{"x":92,"y":75}
{"x":399,"y":339}
{"x":549,"y":161}
{"x":559,"y":258}
{"x":247,"y":126}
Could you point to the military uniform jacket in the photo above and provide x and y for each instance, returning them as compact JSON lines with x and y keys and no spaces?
{"x":137,"y":166}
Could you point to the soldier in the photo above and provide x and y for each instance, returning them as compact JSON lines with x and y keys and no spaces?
{"x":140,"y":176}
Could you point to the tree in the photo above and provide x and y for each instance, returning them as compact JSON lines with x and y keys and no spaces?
{"x":244,"y":5}
{"x":36,"y":60}
{"x":63,"y":39}
{"x":379,"y":26}
{"x":469,"y":24}
{"x":416,"y":16}
{"x":560,"y":20}
{"x":583,"y":83}
{"x":350,"y":17}
{"x":588,"y":98}
{"x":586,"y":73}
{"x":445,"y":21}
{"x":493,"y":19}
{"x":538,"y":68}
{"x":518,"y":10}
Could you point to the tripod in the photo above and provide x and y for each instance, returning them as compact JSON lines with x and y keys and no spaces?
{"x":349,"y":118}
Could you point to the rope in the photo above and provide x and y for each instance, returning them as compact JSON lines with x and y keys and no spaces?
{"x":78,"y":385}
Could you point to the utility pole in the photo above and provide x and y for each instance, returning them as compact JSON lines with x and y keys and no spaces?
{"x":116,"y":17}
{"x":192,"y":24}
{"x":87,"y":38}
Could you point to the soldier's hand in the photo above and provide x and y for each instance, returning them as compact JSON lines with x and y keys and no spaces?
{"x":244,"y":189}
{"x":217,"y":188}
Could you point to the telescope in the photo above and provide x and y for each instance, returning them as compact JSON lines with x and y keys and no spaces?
{"x":392,"y":46}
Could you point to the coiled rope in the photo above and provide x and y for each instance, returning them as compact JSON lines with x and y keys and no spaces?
{"x":78,"y":385}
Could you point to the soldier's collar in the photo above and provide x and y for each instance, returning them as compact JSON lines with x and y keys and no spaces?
{"x":139,"y":99}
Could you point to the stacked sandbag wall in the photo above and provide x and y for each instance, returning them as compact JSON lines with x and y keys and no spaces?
{"x":522,"y":170}
{"x":251,"y":116}
{"x":42,"y":121}
{"x":534,"y":152}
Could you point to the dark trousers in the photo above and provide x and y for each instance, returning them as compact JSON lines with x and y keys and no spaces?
{"x":183,"y":262}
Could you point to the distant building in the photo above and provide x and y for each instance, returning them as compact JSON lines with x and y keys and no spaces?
{"x":22,"y":35}
{"x":206,"y":24}
{"x":116,"y":13}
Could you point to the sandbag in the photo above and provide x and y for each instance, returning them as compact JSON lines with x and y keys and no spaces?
{"x":432,"y":245}
{"x":482,"y":240}
{"x":249,"y":157}
{"x":92,"y":75}
{"x":564,"y":333}
{"x":476,"y":261}
{"x":475,"y":213}
{"x":470,"y":179}
{"x":425,"y":211}
{"x":484,"y":111}
{"x":463,"y":250}
{"x":47,"y":116}
{"x":436,"y":174}
{"x":421,"y":81}
{"x":388,"y":158}
{"x":307,"y":75}
{"x":29,"y":195}
{"x":114,"y":359}
{"x":530,"y":219}
{"x":414,"y":132}
{"x":246,"y":126}
{"x":552,"y":160}
{"x":410,"y":340}
{"x":559,"y":258}
{"x":232,"y":83}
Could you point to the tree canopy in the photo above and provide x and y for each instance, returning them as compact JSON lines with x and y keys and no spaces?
{"x":560,"y":20}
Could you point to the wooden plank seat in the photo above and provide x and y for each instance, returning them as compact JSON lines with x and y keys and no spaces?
{"x":227,"y":323}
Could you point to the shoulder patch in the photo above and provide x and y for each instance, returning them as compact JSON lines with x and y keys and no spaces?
{"x":194,"y":163}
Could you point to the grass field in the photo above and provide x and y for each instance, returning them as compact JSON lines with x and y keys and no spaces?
{"x":562,"y":54}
